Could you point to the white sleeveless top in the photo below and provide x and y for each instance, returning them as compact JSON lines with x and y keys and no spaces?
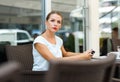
{"x":41,"y":64}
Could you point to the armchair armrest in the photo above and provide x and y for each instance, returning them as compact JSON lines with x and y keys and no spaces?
{"x":115,"y":80}
{"x":33,"y":76}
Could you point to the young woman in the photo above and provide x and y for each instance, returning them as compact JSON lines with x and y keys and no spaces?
{"x":48,"y":46}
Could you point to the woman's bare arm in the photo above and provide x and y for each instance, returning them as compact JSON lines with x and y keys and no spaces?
{"x":66,"y":53}
{"x":44,"y":51}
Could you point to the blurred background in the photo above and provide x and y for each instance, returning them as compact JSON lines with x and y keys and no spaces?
{"x":29,"y":15}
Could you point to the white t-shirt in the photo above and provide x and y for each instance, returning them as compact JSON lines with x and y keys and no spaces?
{"x":41,"y":64}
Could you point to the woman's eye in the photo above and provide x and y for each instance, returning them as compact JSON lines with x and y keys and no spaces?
{"x":59,"y":22}
{"x":52,"y":20}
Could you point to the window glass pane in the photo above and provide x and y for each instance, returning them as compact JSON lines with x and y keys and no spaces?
{"x":109,"y":11}
{"x":22,"y":15}
{"x":72,"y":30}
{"x":22,"y":36}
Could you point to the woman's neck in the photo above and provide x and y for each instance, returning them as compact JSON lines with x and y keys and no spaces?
{"x":48,"y":34}
{"x":49,"y":37}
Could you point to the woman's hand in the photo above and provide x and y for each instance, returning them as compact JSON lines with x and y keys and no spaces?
{"x":87,"y":54}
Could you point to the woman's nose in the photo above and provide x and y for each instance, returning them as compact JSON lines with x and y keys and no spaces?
{"x":55,"y":23}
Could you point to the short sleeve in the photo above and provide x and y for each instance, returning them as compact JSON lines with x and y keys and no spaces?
{"x":39,"y":39}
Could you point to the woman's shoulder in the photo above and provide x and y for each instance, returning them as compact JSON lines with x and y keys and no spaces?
{"x":39,"y":39}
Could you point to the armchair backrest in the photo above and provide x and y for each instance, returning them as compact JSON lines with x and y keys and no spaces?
{"x":21,"y":54}
{"x":98,"y":70}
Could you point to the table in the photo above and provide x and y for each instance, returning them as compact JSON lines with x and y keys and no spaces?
{"x":117,"y":64}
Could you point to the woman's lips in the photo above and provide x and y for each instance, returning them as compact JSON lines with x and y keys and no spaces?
{"x":54,"y":28}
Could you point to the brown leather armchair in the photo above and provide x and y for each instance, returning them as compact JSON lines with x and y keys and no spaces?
{"x":23,"y":55}
{"x":97,"y":70}
{"x":10,"y":72}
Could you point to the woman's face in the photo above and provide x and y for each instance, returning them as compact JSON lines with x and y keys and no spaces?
{"x":54,"y":22}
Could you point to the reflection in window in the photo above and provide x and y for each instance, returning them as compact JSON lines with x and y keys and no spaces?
{"x":22,"y":36}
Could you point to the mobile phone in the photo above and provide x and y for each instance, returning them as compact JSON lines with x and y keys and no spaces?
{"x":92,"y":52}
